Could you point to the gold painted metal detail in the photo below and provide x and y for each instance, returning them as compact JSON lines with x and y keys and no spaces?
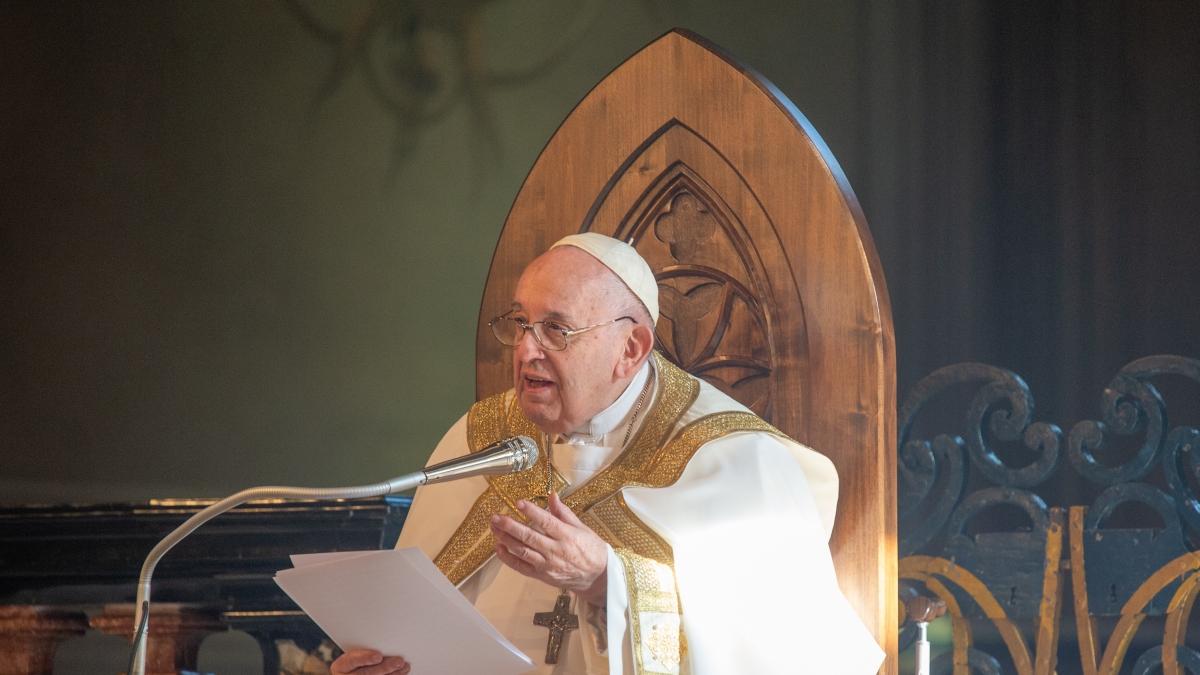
{"x":1133,"y":613}
{"x":1085,"y":629}
{"x":915,"y":565}
{"x":1050,"y":609}
{"x":263,"y":614}
{"x":931,"y":571}
{"x":172,"y":506}
{"x":1185,"y":569}
{"x":1176,"y":629}
{"x":654,"y":616}
{"x":960,"y":626}
{"x":177,"y":502}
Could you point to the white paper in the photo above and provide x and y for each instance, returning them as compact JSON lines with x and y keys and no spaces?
{"x":399,"y":603}
{"x":303,"y":559}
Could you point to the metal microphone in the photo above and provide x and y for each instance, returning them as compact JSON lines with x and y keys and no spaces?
{"x":510,"y":455}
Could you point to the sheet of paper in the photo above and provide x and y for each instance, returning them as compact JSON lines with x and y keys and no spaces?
{"x":303,"y":559}
{"x":398,"y":602}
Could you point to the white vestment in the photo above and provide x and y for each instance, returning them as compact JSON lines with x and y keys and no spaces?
{"x":748,"y":523}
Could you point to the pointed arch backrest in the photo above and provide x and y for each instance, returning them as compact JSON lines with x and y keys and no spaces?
{"x":769,"y":280}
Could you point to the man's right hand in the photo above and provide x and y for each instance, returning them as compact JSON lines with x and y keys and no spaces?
{"x":369,"y":662}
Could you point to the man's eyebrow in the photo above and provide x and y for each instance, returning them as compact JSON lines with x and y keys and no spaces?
{"x":552,"y":316}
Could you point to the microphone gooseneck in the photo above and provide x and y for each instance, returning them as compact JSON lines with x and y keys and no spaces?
{"x":510,"y":455}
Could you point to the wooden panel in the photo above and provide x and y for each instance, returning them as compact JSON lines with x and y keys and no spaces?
{"x":770,"y":284}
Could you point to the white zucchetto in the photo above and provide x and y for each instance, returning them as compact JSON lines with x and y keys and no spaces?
{"x":624,"y":261}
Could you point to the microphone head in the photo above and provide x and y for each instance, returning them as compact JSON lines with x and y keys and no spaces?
{"x":510,"y":455}
{"x":524,"y":453}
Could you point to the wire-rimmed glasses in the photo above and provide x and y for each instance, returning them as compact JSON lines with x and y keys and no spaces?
{"x":550,"y":334}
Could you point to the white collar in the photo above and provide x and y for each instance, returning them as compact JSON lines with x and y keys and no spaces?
{"x":606,"y":420}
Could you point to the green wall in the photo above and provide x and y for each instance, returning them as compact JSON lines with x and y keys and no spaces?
{"x":213,"y":280}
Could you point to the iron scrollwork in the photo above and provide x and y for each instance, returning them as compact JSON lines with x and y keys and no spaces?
{"x":1003,"y":405}
{"x":1131,"y":554}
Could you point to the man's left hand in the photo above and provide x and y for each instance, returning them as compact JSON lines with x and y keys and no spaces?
{"x":554,"y":546}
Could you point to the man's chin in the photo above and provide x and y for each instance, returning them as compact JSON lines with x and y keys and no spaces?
{"x":543,"y":418}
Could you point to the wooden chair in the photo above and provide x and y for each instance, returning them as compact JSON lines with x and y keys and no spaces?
{"x":770,"y":285}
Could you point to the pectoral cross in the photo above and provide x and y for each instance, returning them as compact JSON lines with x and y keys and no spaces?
{"x":559,"y":622}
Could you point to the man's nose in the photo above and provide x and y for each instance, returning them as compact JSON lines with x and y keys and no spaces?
{"x":528,"y":348}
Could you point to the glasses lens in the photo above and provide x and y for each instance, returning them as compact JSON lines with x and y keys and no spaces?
{"x":550,"y":338}
{"x":506,"y":330}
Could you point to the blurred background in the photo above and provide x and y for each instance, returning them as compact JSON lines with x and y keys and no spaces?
{"x":245,"y":242}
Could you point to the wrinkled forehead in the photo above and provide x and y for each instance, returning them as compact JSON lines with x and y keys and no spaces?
{"x":563,"y":283}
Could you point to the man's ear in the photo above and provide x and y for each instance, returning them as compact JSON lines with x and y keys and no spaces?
{"x":638,"y":344}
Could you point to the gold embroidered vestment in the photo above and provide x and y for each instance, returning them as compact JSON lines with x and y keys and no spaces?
{"x":656,"y":457}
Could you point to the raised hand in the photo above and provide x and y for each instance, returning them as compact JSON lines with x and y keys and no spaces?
{"x":554,"y":546}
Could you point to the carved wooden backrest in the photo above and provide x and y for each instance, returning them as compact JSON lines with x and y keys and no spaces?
{"x":770,"y":285}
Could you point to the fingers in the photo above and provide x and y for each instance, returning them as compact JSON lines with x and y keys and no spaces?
{"x":544,"y":521}
{"x":514,"y":562}
{"x":563,"y":512}
{"x":524,"y":534}
{"x":369,"y":662}
{"x":554,"y":547}
{"x":519,"y":550}
{"x":355,"y":659}
{"x":391,"y":665}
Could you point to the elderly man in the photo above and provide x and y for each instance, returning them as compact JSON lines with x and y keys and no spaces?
{"x":664,"y":529}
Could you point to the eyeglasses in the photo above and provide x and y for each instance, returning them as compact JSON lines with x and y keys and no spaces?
{"x":550,"y":335}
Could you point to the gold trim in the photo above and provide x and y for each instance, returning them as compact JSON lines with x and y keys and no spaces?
{"x":472,"y":543}
{"x":494,"y":418}
{"x":671,"y":462}
{"x":656,"y":458}
{"x":654,"y":616}
{"x":528,"y":484}
{"x":485,"y":421}
{"x":455,"y":560}
{"x":618,"y":525}
{"x":677,"y":391}
{"x":649,"y":461}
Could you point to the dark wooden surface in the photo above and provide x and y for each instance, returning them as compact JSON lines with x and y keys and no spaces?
{"x":81,"y":555}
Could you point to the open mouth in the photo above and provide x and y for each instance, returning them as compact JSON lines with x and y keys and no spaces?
{"x":537,"y":384}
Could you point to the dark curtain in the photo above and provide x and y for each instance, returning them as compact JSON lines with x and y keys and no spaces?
{"x":1033,"y":182}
